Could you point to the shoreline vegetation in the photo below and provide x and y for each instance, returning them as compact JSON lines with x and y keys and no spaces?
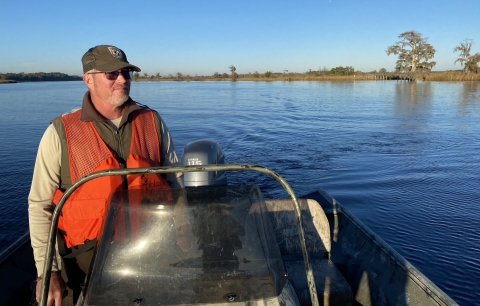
{"x":335,"y":74}
{"x":314,"y":76}
{"x":8,"y":78}
{"x":414,"y":62}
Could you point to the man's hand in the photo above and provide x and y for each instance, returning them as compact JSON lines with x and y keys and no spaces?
{"x":55,"y":291}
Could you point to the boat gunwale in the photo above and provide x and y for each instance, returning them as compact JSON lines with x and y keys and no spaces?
{"x":14,"y":247}
{"x":404,"y":265}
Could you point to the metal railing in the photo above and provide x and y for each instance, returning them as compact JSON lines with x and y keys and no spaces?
{"x":47,"y":269}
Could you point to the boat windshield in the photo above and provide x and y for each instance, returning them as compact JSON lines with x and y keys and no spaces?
{"x":186,"y":246}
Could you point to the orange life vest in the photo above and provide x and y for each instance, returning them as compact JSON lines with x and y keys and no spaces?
{"x":84,"y":211}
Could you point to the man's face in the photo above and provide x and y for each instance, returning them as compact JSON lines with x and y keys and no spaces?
{"x":114,"y":92}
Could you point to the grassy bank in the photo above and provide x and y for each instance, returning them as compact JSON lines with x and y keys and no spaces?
{"x":7,"y":81}
{"x":433,"y":76}
{"x":262,"y":78}
{"x":452,"y":76}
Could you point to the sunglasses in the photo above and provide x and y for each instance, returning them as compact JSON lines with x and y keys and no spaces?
{"x":113,"y":75}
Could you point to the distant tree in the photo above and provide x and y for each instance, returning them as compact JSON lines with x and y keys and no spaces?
{"x":469,"y":62}
{"x":136,"y":75}
{"x":268,"y":74}
{"x":382,"y":71}
{"x":256,"y":74}
{"x":179,"y":76}
{"x":413,"y":53}
{"x":347,"y":70}
{"x":38,"y":77}
{"x":233,"y":74}
{"x":464,"y":50}
{"x":473,"y":63}
{"x":145,"y":75}
{"x":157,"y":76}
{"x":216,"y":75}
{"x":322,"y":71}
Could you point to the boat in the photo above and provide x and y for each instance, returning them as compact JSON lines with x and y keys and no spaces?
{"x":241,"y":249}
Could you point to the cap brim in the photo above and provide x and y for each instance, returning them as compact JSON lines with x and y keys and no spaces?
{"x":116,"y":66}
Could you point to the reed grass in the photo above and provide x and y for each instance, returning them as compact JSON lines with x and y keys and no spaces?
{"x":432,"y":76}
{"x":273,"y":78}
{"x":300,"y":77}
{"x":452,"y":76}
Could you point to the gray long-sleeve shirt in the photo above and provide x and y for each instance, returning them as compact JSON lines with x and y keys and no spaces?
{"x":46,"y":179}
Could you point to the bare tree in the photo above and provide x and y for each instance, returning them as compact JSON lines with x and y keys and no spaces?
{"x":469,"y":62}
{"x":233,"y":75}
{"x":413,"y":53}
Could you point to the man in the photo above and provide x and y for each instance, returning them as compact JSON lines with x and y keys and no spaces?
{"x":109,"y":131}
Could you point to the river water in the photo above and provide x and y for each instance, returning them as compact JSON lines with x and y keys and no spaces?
{"x":403,"y":157}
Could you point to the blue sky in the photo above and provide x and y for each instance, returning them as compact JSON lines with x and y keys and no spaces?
{"x":203,"y":37}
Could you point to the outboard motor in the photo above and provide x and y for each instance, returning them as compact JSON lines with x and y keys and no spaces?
{"x":203,"y":152}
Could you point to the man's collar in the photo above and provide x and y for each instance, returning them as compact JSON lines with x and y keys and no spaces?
{"x":89,"y":113}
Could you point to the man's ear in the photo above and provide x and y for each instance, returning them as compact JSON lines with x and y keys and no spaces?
{"x":88,"y":79}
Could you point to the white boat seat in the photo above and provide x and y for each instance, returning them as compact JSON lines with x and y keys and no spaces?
{"x":332,"y":288}
{"x":315,"y":224}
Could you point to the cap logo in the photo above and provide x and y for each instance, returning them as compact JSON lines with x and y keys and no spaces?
{"x":115,"y":52}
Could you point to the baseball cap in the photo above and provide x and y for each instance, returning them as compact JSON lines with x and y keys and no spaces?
{"x":106,"y":58}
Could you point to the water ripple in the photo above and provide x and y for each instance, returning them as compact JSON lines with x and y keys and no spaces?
{"x":402,"y":157}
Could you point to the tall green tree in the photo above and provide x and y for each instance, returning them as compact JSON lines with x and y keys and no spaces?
{"x":469,"y":62}
{"x":414,"y":54}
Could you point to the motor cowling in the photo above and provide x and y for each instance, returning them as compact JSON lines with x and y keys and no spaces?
{"x":203,"y":152}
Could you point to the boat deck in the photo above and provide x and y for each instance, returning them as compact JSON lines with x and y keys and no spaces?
{"x":351,"y":264}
